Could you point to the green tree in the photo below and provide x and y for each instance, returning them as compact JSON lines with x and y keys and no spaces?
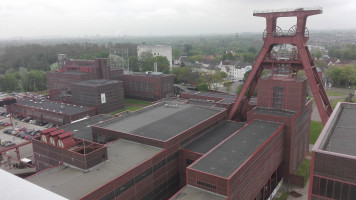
{"x":134,"y":64}
{"x":203,"y":87}
{"x":321,"y":63}
{"x":249,"y":57}
{"x":8,"y":82}
{"x":162,"y":64}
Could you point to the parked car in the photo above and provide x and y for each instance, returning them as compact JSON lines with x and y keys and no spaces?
{"x":9,"y":143}
{"x":7,"y":131}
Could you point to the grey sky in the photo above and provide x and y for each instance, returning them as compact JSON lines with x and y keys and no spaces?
{"x":36,"y":18}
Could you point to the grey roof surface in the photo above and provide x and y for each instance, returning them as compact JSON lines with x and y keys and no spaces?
{"x":228,"y":157}
{"x":161,"y":122}
{"x":97,"y":82}
{"x":273,"y":112}
{"x":343,"y":137}
{"x":54,"y":106}
{"x":82,"y":129}
{"x":74,"y":183}
{"x":189,"y":193}
{"x":201,"y":103}
{"x":227,"y":101}
{"x":212,"y":94}
{"x":208,"y":141}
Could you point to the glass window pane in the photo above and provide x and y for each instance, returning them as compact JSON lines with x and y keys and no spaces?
{"x":322,"y":187}
{"x":315,"y":185}
{"x":337,"y":190}
{"x":330,"y":189}
{"x":352,"y":192}
{"x":345,"y":191}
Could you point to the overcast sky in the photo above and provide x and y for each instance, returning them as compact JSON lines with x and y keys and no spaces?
{"x":36,"y":18}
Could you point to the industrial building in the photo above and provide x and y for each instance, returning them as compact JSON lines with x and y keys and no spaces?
{"x":148,"y":86}
{"x":51,"y":111}
{"x":333,"y":172}
{"x":75,"y":70}
{"x":105,"y":95}
{"x":184,"y":150}
{"x":176,"y":146}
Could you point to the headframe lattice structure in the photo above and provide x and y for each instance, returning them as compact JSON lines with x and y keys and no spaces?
{"x":298,"y":36}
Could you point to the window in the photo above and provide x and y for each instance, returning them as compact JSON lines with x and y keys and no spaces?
{"x":337,"y":190}
{"x":322,"y":187}
{"x":278,"y":96}
{"x":330,"y":188}
{"x":345,"y":191}
{"x":173,"y":156}
{"x":143,"y":175}
{"x":159,"y":165}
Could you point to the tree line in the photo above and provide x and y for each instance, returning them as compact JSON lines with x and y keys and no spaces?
{"x":23,"y":80}
{"x":40,"y":57}
{"x":344,"y":76}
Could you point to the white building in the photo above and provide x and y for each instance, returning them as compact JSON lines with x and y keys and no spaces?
{"x":234,"y":69}
{"x":157,"y":50}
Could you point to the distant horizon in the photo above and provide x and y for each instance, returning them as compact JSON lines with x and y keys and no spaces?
{"x":153,"y":35}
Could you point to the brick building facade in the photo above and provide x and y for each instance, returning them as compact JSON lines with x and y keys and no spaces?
{"x":105,"y":95}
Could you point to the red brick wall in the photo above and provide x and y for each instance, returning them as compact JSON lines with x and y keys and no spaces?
{"x":185,"y":155}
{"x":162,"y":86}
{"x":294,"y":93}
{"x":250,"y":178}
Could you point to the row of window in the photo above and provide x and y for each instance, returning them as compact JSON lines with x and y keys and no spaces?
{"x":140,"y":177}
{"x":333,"y":189}
{"x":141,"y":86}
{"x":206,"y":185}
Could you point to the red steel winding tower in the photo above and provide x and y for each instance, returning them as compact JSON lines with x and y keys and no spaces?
{"x":299,"y":59}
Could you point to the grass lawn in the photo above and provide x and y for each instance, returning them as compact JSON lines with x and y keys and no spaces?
{"x":315,"y":130}
{"x":304,"y":169}
{"x":137,"y":102}
{"x":335,"y":101}
{"x":132,"y":105}
{"x":130,"y":108}
{"x":332,"y":93}
{"x":284,"y":196}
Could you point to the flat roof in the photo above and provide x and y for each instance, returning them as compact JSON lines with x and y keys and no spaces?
{"x":53,"y":106}
{"x":161,"y":121}
{"x":273,"y":112}
{"x":96,"y":82}
{"x":74,"y":183}
{"x":82,"y":129}
{"x":211,"y":94}
{"x":190,"y":192}
{"x":201,"y":103}
{"x":228,"y":157}
{"x":342,"y":136}
{"x":208,"y":141}
{"x":18,"y":188}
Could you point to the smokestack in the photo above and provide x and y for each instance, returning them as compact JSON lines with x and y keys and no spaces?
{"x":155,"y":67}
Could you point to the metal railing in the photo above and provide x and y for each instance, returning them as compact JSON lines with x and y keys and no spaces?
{"x":287,"y":10}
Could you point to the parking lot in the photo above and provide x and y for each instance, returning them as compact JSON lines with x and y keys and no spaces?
{"x":16,"y":127}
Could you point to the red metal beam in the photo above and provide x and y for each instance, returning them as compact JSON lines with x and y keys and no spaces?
{"x":305,"y":61}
